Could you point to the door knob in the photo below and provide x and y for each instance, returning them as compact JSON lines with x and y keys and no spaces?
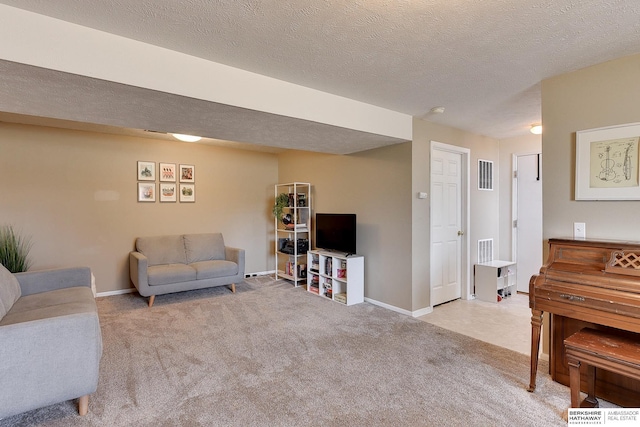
{"x":460,"y":233}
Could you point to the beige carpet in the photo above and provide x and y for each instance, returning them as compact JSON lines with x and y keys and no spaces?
{"x":275,"y":355}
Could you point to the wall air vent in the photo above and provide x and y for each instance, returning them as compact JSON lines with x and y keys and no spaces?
{"x":485,"y":250}
{"x":485,"y":175}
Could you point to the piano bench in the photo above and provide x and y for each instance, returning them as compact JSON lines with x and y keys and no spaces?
{"x":603,"y":350}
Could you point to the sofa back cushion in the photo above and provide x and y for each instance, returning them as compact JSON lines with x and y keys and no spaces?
{"x":162,"y":249}
{"x":204,"y":247}
{"x":9,"y":290}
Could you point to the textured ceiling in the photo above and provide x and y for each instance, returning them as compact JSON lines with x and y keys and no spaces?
{"x":482,"y":60}
{"x":107,"y":107}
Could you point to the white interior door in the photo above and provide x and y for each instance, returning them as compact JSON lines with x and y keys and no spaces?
{"x":446,"y":226}
{"x":528,"y":228}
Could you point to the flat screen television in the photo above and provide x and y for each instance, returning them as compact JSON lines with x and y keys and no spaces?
{"x":336,"y":232}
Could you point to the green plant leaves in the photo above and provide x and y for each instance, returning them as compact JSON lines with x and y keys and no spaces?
{"x":14,"y":250}
{"x":282,"y":201}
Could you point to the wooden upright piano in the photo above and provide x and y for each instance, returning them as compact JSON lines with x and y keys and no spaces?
{"x":587,"y":283}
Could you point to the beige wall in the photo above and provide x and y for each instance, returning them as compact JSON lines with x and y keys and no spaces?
{"x":484,"y":221}
{"x":408,"y":243}
{"x":527,"y":144}
{"x":603,"y":95}
{"x":75,"y":194}
{"x":375,"y":185}
{"x":381,"y":187}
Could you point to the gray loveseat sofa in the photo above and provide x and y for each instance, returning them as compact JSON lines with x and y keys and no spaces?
{"x":50,"y":340}
{"x":166,"y":264}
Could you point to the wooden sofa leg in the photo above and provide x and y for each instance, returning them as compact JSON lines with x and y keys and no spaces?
{"x":233,"y":288}
{"x":151,"y":299}
{"x":83,"y":405}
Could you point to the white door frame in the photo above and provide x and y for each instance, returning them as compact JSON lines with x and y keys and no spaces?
{"x":465,"y":264}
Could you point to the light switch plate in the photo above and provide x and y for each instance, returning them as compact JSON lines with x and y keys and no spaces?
{"x":579,"y":230}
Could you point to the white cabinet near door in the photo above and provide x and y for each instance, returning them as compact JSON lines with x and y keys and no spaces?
{"x":495,"y":280}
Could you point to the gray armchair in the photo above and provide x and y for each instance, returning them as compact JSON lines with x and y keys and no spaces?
{"x":50,"y":340}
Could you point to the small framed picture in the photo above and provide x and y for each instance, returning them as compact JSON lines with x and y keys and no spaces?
{"x":146,"y":192}
{"x":187,"y":193}
{"x":146,"y":171}
{"x":167,"y":172}
{"x":187,"y":173}
{"x":168,"y":192}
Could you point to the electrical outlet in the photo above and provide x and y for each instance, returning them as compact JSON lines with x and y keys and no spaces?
{"x":579,"y":230}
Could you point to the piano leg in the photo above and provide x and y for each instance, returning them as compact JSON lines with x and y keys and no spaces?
{"x":536,"y":326}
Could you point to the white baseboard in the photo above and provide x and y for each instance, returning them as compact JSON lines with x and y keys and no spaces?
{"x":416,"y":313}
{"x":423,"y":311}
{"x":118,"y":292}
{"x":127,"y":291}
{"x":259,"y":273}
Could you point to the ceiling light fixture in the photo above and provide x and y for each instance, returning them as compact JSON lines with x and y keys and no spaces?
{"x":536,"y":129}
{"x":437,"y":110}
{"x":186,"y":138}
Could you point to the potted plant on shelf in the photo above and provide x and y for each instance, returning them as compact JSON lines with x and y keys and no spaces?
{"x":14,"y":250}
{"x":282,"y":201}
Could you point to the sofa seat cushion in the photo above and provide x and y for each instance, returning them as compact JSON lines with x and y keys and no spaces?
{"x":216,"y":268}
{"x":170,"y":273}
{"x":204,"y":247}
{"x":162,"y":249}
{"x":45,"y":305}
{"x":9,"y":290}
